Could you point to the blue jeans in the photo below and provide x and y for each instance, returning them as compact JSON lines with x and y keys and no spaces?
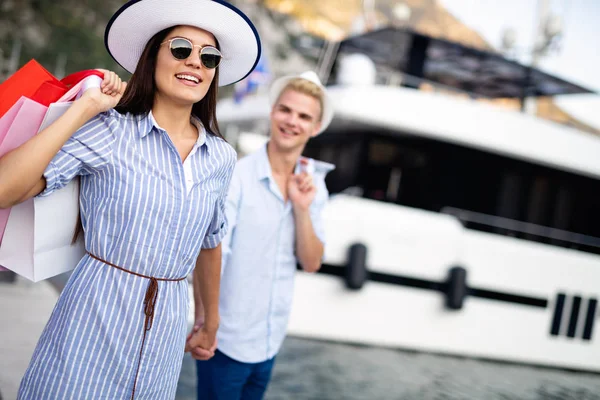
{"x":223,"y":378}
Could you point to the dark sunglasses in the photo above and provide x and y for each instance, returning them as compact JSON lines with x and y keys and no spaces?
{"x":182,"y":48}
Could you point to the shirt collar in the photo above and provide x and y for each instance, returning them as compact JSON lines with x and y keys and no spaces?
{"x":147,"y":123}
{"x":202,"y":135}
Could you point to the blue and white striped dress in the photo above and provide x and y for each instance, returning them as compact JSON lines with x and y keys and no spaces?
{"x":144,"y":210}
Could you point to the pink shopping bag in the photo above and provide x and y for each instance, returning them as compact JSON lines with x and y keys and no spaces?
{"x":22,"y":121}
{"x":17,"y":126}
{"x":38,"y":237}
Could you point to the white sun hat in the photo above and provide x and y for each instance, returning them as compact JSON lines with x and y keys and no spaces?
{"x":281,"y":83}
{"x":134,"y":24}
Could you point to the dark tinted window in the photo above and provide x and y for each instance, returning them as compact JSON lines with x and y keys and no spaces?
{"x":486,"y":191}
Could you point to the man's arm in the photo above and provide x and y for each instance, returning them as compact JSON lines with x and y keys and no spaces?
{"x":303,"y":193}
{"x":309,"y":248}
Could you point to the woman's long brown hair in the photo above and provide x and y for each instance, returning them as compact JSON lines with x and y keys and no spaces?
{"x":141,"y":89}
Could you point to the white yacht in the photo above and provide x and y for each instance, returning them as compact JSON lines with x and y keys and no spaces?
{"x":454,"y":226}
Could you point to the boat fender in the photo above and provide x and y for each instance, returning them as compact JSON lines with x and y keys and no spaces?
{"x":456,"y":288}
{"x":356,"y":270}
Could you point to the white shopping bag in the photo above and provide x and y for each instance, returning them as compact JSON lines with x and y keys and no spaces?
{"x":37,"y":242}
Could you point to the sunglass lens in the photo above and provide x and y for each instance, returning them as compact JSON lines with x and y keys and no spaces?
{"x":181,"y":49}
{"x":210,"y":57}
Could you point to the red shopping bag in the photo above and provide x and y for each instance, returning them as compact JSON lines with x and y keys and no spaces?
{"x":36,"y":83}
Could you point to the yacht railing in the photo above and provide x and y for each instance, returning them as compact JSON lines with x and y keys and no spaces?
{"x":522,"y":227}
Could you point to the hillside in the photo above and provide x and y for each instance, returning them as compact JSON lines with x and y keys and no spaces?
{"x":335,"y":20}
{"x":67,"y":35}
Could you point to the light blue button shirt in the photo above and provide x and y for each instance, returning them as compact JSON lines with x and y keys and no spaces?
{"x":259,"y":262}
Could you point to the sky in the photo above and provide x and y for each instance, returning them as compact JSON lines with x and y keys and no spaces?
{"x":579,"y":57}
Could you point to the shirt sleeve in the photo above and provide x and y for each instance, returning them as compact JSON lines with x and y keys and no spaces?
{"x":88,"y":150}
{"x":232,"y":206}
{"x":317,"y":207}
{"x":219,"y":224}
{"x":320,"y":169}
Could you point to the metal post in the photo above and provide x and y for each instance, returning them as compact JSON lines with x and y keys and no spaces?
{"x":326,"y":60}
{"x":529,"y":104}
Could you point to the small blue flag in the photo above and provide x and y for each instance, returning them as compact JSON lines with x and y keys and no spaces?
{"x":260,"y":76}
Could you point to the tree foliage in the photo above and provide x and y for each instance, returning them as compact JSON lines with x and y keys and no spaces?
{"x":68,"y":34}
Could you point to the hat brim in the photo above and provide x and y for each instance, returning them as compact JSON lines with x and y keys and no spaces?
{"x":279,"y":84}
{"x":134,"y":24}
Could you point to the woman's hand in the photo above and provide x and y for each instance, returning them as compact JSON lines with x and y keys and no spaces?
{"x":199,"y":353}
{"x":202,"y":342}
{"x":108,"y":95}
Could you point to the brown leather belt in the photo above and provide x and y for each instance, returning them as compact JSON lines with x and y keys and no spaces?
{"x":149,"y":305}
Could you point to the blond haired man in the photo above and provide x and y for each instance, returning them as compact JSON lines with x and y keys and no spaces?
{"x":273,"y":211}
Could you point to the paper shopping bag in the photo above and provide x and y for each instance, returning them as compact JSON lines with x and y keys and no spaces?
{"x":24,"y":119}
{"x":25,"y":82}
{"x":17,"y":126}
{"x":36,"y":83}
{"x":37,"y":242}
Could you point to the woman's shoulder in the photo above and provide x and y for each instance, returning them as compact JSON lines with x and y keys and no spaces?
{"x":112,"y":116}
{"x":117,"y":120}
{"x":220,"y":147}
{"x":111,"y":124}
{"x":122,"y":116}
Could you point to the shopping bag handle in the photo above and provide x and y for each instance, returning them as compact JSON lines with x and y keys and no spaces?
{"x":80,"y":87}
{"x":75,"y":78}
